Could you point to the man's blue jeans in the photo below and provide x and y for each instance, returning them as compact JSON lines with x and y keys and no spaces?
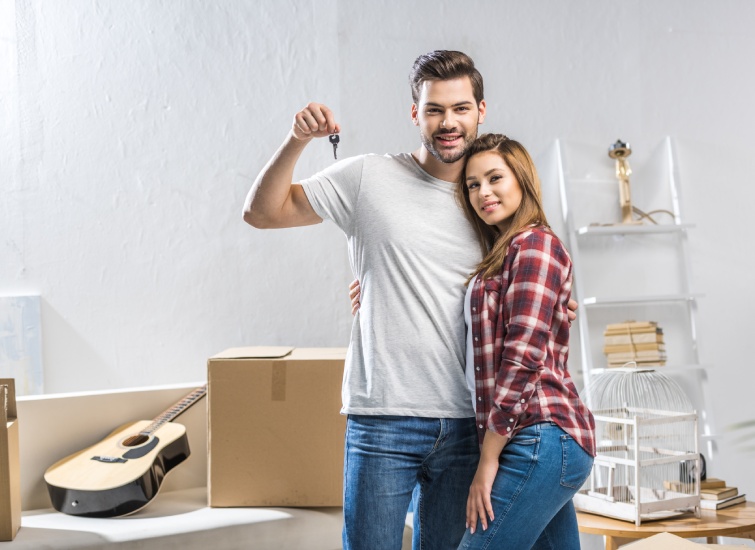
{"x":539,"y":472}
{"x":386,"y":458}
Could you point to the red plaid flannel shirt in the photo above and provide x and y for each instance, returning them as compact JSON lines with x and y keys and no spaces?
{"x":520,"y":333}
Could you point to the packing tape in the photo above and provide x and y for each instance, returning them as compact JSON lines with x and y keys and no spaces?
{"x":279,"y":381}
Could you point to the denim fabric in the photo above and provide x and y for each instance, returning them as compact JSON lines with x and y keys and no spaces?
{"x":540,"y":470}
{"x":394,"y":461}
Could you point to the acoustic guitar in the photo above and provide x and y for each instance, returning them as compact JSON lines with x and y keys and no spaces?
{"x":122,"y":473}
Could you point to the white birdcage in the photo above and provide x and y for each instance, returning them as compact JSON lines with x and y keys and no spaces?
{"x":648,"y":462}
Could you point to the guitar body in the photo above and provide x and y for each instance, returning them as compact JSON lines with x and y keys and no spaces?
{"x":116,"y":477}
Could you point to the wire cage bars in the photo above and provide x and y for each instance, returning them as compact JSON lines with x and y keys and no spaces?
{"x":648,"y":462}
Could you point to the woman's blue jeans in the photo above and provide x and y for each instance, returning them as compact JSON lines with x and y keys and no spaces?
{"x":394,"y":461}
{"x":539,"y":472}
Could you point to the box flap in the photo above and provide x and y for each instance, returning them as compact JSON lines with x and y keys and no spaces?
{"x":8,"y":399}
{"x":338,"y":354}
{"x":667,"y":541}
{"x":255,"y":352}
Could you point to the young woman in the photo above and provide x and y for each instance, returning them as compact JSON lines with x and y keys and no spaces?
{"x":536,"y":435}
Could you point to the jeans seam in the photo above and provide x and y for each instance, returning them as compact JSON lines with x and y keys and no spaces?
{"x":564,"y":460}
{"x":421,"y":510}
{"x":441,"y":437}
{"x":345,"y":477}
{"x":548,"y":538}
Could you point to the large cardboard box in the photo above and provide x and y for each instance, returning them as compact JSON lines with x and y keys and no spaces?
{"x":10,"y":474}
{"x":275,"y":430}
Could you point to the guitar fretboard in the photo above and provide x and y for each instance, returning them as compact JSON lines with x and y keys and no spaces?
{"x":172,"y":412}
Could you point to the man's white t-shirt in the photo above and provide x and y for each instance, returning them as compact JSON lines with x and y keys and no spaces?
{"x":411,"y":248}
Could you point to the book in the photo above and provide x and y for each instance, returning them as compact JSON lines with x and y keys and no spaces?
{"x":630,"y":327}
{"x":634,"y":337}
{"x":725,"y":503}
{"x":638,"y":353}
{"x":718,"y":493}
{"x":640,"y":364}
{"x":711,"y":483}
{"x":640,"y":346}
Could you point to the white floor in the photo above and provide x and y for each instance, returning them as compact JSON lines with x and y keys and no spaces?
{"x":181,"y":519}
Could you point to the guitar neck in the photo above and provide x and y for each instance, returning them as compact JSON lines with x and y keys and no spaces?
{"x":172,"y":413}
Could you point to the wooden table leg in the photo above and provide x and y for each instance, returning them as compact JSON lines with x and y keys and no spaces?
{"x":613,"y":543}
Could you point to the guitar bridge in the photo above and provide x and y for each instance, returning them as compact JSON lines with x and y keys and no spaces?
{"x":109,"y":459}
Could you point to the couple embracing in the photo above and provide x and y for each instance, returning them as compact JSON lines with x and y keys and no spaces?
{"x":456,"y":387}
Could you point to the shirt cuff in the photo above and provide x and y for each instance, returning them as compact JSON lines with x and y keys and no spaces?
{"x":503,"y":423}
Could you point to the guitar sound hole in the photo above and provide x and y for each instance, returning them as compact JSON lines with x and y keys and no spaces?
{"x":135,"y":440}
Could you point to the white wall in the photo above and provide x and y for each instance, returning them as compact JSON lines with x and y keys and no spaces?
{"x":131,"y":131}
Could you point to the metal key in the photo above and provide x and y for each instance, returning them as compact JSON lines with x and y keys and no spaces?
{"x":334,"y":139}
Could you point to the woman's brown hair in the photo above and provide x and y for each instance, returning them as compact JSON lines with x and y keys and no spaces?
{"x":493,"y":243}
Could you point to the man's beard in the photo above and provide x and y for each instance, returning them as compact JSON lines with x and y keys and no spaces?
{"x":448,"y":157}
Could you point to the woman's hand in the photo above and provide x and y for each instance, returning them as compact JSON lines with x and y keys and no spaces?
{"x":479,"y":505}
{"x":478,"y":501}
{"x":354,"y":295}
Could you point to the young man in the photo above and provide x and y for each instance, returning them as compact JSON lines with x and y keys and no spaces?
{"x":410,"y":429}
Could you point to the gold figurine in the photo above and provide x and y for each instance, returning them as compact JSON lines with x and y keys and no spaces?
{"x":620,"y":151}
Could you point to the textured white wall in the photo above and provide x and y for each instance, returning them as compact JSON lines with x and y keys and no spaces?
{"x":130,"y":133}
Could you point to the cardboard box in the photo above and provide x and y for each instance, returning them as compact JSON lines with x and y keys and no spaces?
{"x":10,"y":473}
{"x":275,"y":432}
{"x":667,"y":541}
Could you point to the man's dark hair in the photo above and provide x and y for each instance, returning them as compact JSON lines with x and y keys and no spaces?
{"x":444,"y":65}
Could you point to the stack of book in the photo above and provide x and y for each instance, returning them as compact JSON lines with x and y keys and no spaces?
{"x":715,"y":494}
{"x":638,"y":341}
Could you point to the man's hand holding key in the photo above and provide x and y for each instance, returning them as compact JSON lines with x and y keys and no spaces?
{"x":315,"y":120}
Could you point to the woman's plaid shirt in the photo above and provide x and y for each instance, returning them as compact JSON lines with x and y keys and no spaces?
{"x":520,"y":332}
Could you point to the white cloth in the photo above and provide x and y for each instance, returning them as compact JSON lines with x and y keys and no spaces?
{"x":469,"y":370}
{"x":411,"y":248}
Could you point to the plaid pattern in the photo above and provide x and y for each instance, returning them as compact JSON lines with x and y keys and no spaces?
{"x":520,"y":334}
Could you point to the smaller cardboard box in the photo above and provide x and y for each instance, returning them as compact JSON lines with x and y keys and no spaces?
{"x":667,"y":541}
{"x":275,"y":432}
{"x":10,"y":473}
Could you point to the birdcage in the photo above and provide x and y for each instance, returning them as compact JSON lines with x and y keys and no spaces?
{"x":648,"y":462}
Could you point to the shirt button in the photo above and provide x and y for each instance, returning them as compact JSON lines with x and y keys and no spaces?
{"x":476,"y":339}
{"x":478,"y":368}
{"x":521,"y":400}
{"x":508,"y":429}
{"x":474,"y":309}
{"x":511,"y":419}
{"x":480,"y":426}
{"x":479,"y":399}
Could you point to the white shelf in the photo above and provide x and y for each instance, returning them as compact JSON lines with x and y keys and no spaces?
{"x":601,"y":181}
{"x":580,"y":179}
{"x":638,"y":300}
{"x":620,"y":229}
{"x":669,"y":369}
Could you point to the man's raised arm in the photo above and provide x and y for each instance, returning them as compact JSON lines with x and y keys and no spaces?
{"x":274,"y":201}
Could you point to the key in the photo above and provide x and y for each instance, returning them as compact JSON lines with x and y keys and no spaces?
{"x":334,"y":139}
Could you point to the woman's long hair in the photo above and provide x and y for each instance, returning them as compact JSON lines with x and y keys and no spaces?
{"x":493,"y":243}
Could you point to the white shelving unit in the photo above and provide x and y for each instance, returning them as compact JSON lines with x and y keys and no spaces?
{"x":623,"y":272}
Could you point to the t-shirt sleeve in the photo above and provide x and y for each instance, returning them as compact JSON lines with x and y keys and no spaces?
{"x":334,"y":192}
